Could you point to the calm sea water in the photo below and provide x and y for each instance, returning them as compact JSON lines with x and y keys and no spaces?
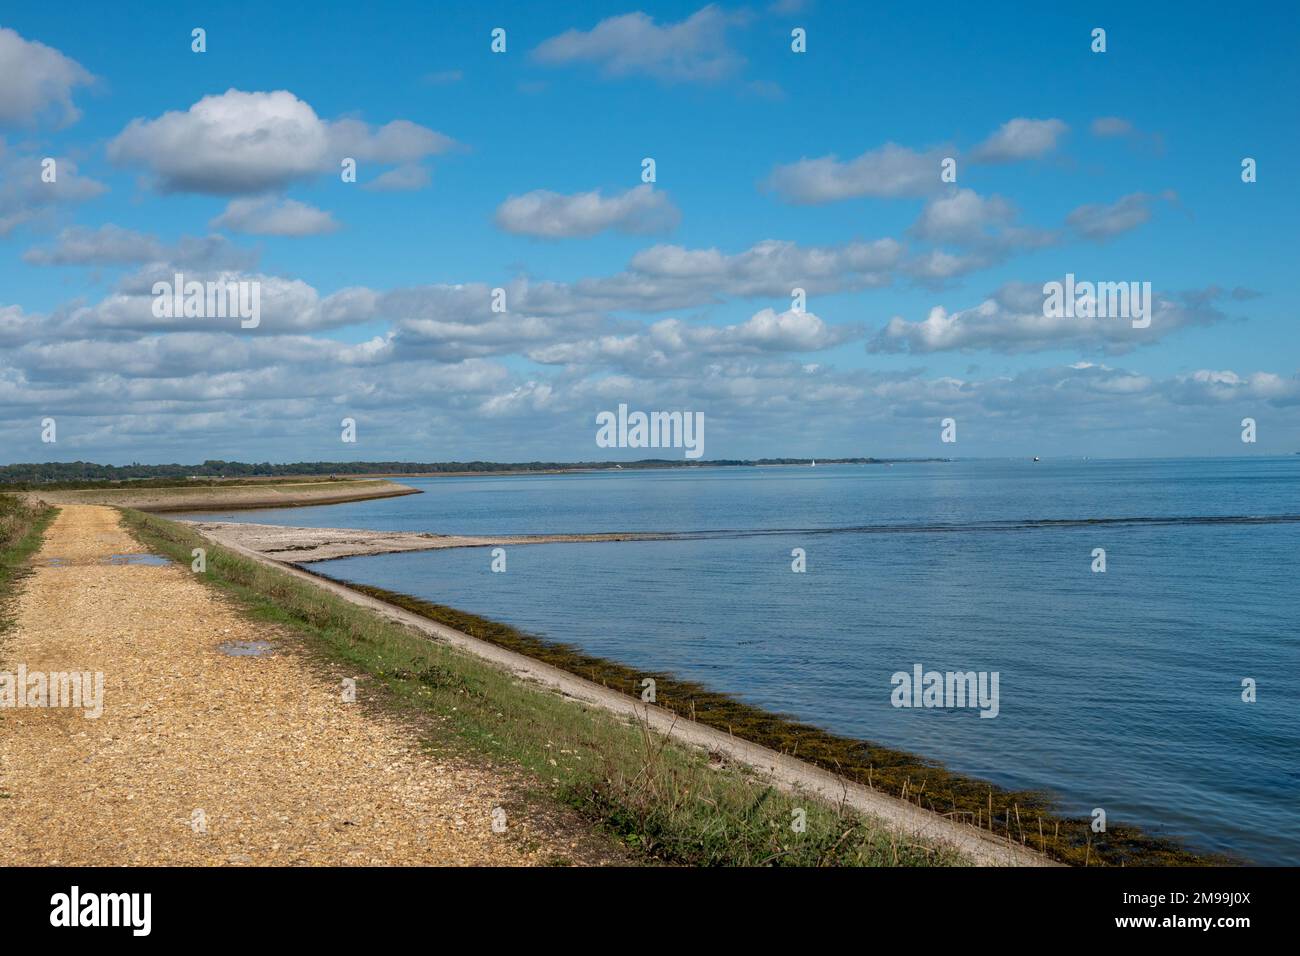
{"x":1119,"y":690}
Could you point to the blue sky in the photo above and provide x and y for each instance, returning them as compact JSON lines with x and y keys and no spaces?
{"x":522,"y":171}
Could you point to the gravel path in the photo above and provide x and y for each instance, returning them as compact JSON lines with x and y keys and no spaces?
{"x":200,"y":757}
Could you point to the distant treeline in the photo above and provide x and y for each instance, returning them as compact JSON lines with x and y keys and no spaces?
{"x":48,"y":473}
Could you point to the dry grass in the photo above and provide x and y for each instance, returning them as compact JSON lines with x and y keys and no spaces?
{"x":22,"y":522}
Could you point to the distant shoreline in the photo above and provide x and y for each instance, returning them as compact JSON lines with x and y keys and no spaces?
{"x":233,"y":497}
{"x":32,"y":475}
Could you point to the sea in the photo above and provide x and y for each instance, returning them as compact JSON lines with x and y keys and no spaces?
{"x":1164,"y":689}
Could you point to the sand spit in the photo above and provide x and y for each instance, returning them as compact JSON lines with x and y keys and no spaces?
{"x":292,"y":494}
{"x":300,"y":545}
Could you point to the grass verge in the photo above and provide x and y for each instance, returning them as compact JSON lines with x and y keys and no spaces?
{"x":664,"y":800}
{"x":22,"y":526}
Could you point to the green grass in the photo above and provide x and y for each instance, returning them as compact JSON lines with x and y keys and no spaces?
{"x":22,"y":526}
{"x":665,"y":801}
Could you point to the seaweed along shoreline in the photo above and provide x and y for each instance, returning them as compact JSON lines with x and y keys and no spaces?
{"x":1025,"y":818}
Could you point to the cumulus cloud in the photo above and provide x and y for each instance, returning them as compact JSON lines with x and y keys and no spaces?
{"x":15,"y":325}
{"x":890,"y":171}
{"x":38,"y":82}
{"x":771,"y":268}
{"x":1012,"y":321}
{"x":692,"y":50}
{"x":110,"y":245}
{"x":1116,"y":127}
{"x":550,"y":215}
{"x":107,"y":245}
{"x":666,"y":277}
{"x":238,"y":142}
{"x":985,"y":228}
{"x":753,"y":270}
{"x":404,"y":178}
{"x":1206,"y":386}
{"x":265,"y":216}
{"x":1100,"y":222}
{"x":935,"y":267}
{"x":962,"y":216}
{"x":400,"y":141}
{"x":25,"y":197}
{"x":674,"y":344}
{"x":450,"y":323}
{"x":1020,"y":139}
{"x":288,"y":306}
{"x":208,"y":390}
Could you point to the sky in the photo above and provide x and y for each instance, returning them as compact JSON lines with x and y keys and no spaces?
{"x":522,"y":170}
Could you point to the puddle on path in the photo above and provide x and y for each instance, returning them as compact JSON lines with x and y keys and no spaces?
{"x":246,"y":648}
{"x":58,"y":563}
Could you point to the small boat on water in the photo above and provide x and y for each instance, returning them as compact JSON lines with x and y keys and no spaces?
{"x":1035,"y":458}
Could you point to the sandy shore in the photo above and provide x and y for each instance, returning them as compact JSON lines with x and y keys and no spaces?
{"x":299,"y":545}
{"x":224,"y":498}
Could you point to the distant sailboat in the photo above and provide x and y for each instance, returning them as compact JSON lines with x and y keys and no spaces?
{"x":814,"y":464}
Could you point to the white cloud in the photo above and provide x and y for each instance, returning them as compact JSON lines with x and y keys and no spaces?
{"x":890,"y":171}
{"x":1100,"y":222}
{"x":288,"y":306}
{"x":671,"y":345}
{"x":984,"y":227}
{"x":400,"y":141}
{"x":936,"y":266}
{"x":37,"y":81}
{"x":401,"y":179}
{"x":15,"y":325}
{"x":772,"y":263}
{"x":1012,"y":321}
{"x":693,"y":50}
{"x":550,"y":215}
{"x":274,"y":217}
{"x":107,"y":245}
{"x":25,"y":197}
{"x":962,"y":216}
{"x":1211,"y":386}
{"x":239,"y":142}
{"x":110,"y":245}
{"x":1019,"y":139}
